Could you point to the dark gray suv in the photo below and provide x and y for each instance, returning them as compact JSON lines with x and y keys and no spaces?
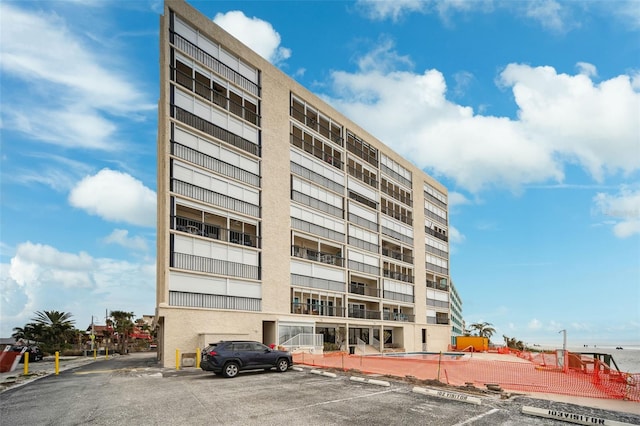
{"x":230,"y":357}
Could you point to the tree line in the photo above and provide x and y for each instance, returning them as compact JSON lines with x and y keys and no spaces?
{"x":55,"y":331}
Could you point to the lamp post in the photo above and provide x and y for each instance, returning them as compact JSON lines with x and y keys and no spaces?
{"x":564,"y":350}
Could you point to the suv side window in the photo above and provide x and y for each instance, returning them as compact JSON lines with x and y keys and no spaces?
{"x":241,"y":347}
{"x":259,"y":347}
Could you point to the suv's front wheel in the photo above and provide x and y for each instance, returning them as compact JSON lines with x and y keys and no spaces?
{"x":282,"y":365}
{"x":230,"y":370}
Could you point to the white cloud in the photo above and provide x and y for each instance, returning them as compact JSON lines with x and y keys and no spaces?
{"x":457,"y":199}
{"x":455,"y":236}
{"x":64,"y":87}
{"x":463,"y":80}
{"x":547,"y":12}
{"x":595,"y":124}
{"x":40,"y":277}
{"x":121,"y":237}
{"x":534,"y":324}
{"x":117,"y":197}
{"x":623,"y":207}
{"x":259,"y":35}
{"x":587,"y":69}
{"x":394,"y":9}
{"x":562,"y":119}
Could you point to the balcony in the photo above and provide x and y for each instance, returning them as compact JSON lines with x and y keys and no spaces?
{"x":397,"y":276}
{"x":363,"y":313}
{"x":436,"y":234}
{"x":397,"y":255}
{"x":398,"y":316}
{"x":363,"y":289}
{"x":316,"y":256}
{"x":317,"y":309}
{"x":214,"y":232}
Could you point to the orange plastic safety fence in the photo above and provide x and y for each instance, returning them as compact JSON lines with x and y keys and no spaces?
{"x":521,"y":374}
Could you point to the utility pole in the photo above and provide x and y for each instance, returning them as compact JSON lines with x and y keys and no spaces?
{"x":93,"y":334}
{"x":565,"y":366}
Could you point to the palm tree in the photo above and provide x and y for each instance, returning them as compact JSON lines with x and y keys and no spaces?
{"x":57,"y":327}
{"x":483,"y":329}
{"x":123,"y":326}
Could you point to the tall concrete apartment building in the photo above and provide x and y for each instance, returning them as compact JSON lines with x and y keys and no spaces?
{"x":280,"y":219}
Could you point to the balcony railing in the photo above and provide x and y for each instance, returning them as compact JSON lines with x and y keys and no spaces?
{"x":317,"y":309}
{"x":397,"y":276}
{"x":364,"y":313}
{"x":398,"y":316}
{"x":318,"y":256}
{"x":214,"y":266}
{"x":317,"y":178}
{"x":436,"y":234}
{"x":363,"y":267}
{"x":392,"y":295}
{"x":364,"y":290}
{"x":406,"y":182}
{"x":316,"y":229}
{"x":437,"y":285}
{"x":214,"y":232}
{"x":211,"y":129}
{"x":214,"y":164}
{"x":397,"y":255}
{"x":211,"y":197}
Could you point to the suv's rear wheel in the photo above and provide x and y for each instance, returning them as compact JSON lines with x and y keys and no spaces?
{"x":230,"y":370}
{"x":282,"y":365}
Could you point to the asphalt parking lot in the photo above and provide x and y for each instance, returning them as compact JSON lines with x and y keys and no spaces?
{"x":134,"y":390}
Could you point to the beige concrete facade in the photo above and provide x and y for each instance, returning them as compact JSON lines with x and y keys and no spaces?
{"x":263,"y":288}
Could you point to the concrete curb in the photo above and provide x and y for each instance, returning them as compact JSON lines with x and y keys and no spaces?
{"x":370,"y":381}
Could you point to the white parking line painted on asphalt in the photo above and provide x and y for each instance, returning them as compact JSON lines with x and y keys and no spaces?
{"x":570,"y":417}
{"x":338,"y":400}
{"x":479,"y":416}
{"x":449,"y":395}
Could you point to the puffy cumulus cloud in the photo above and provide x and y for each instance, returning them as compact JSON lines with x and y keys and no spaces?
{"x":259,"y":35}
{"x":64,"y":89}
{"x":41,"y":277}
{"x":410,"y":113}
{"x":117,"y":197}
{"x":622,"y":208}
{"x":122,"y":238}
{"x":595,"y":124}
{"x":561,"y":119}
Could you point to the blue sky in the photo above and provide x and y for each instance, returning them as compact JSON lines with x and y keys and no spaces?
{"x":528,"y":111}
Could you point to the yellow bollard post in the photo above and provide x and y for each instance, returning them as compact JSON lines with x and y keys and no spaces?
{"x":57,"y":363}
{"x":177,"y":359}
{"x":26,"y":363}
{"x":95,"y":353}
{"x":106,"y":352}
{"x":197,"y":357}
